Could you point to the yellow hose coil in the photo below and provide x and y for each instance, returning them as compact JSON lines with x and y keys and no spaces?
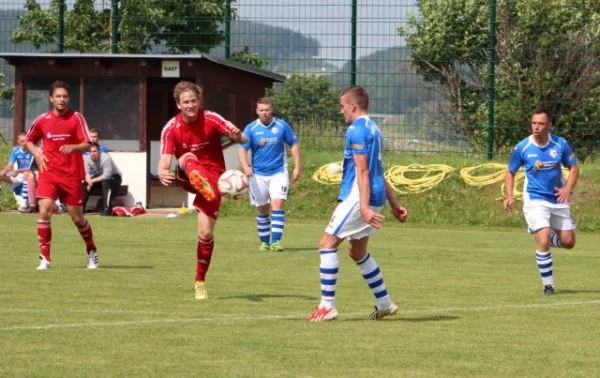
{"x":322,"y":175}
{"x":430,"y":177}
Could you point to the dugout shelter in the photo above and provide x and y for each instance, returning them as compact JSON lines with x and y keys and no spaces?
{"x":129,"y":98}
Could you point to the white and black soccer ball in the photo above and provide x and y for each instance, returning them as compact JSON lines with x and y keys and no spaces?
{"x":233,"y":184}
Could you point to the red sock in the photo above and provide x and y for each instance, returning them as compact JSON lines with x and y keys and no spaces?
{"x":190,"y":163}
{"x":88,"y":237}
{"x":204,"y":253}
{"x":44,"y":230}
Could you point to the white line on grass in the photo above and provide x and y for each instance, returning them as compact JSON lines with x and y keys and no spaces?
{"x":231,"y":317}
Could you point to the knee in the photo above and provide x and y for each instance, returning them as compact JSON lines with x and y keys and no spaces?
{"x":78,"y":220}
{"x":569,"y":243}
{"x":325,"y":242}
{"x":205,"y":234}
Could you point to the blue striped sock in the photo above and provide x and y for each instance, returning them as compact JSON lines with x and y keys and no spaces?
{"x":544,"y":263}
{"x":329,"y":271}
{"x":371,"y":273}
{"x":554,"y":239}
{"x":277,"y":224}
{"x":263,"y":225}
{"x":24,"y":192}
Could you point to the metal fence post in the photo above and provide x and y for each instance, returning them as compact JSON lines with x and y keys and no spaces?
{"x":114,"y":46}
{"x":353,"y":44}
{"x":61,"y":25}
{"x":491,"y":79}
{"x":227,"y":29}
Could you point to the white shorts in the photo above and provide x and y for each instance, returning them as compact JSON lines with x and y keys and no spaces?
{"x":543,"y":214}
{"x":265,"y":188}
{"x":16,"y":181}
{"x":347,"y":222}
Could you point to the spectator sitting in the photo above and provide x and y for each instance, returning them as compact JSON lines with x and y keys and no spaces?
{"x":108,"y":177}
{"x":18,"y":166}
{"x":95,"y":138}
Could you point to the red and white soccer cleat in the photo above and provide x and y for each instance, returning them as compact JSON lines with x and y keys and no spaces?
{"x":322,"y":314}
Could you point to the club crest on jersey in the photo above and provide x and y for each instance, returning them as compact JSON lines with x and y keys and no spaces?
{"x":553,"y":153}
{"x":275,"y":130}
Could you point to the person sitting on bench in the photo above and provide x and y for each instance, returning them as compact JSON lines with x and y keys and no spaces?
{"x":107,"y":177}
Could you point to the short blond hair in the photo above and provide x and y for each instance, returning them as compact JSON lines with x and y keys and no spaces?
{"x":264,"y":101}
{"x":186,"y":86}
{"x":359,"y":95}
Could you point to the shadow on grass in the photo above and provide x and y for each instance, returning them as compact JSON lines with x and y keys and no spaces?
{"x":123,"y":267}
{"x":433,"y":318}
{"x":567,"y":292}
{"x":301,"y":249}
{"x":261,"y":297}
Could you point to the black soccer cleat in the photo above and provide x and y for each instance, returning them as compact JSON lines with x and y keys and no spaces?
{"x":548,"y":290}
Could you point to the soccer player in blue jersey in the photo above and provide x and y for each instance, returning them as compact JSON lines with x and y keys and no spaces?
{"x":269,"y":177}
{"x":545,"y":194}
{"x":18,"y":177}
{"x":363,"y":194}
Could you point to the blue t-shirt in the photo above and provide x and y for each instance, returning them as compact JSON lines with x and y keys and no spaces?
{"x":268,"y":146}
{"x":542,"y":165}
{"x":22,"y":158}
{"x":363,"y":138}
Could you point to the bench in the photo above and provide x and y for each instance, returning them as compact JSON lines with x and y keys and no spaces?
{"x":97,"y":191}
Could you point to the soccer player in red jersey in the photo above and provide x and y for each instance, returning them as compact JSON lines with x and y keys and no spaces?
{"x":65,"y":135}
{"x":194,"y":137}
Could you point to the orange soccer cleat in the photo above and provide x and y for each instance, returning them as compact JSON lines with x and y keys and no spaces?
{"x":322,"y":314}
{"x":202,"y":186}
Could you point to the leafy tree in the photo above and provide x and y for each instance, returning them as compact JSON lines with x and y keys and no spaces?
{"x":246,"y":57}
{"x":181,"y":26}
{"x":546,"y":53}
{"x":308,"y":100}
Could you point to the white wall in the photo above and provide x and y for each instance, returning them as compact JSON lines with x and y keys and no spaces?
{"x":133,"y":167}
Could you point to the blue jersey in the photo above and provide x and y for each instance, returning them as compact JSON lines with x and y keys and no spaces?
{"x":363,"y":138}
{"x":268,"y":146}
{"x":542,"y":165}
{"x":22,"y":158}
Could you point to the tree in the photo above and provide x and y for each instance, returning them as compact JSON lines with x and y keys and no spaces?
{"x":546,"y":53}
{"x":246,"y":57}
{"x":307,"y":100}
{"x":182,"y":26}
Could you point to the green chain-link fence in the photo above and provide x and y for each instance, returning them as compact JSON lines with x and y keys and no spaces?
{"x":445,"y":76}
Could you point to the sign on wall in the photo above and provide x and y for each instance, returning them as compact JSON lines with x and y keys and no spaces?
{"x":170,"y":68}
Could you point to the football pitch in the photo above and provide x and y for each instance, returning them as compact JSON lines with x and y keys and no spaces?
{"x":470,"y":304}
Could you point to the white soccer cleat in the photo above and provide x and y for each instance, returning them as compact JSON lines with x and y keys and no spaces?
{"x":44,"y":264}
{"x":379,"y":314}
{"x":92,"y":260}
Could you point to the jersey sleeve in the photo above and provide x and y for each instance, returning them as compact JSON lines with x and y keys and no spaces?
{"x":568,"y":156}
{"x":82,"y":131}
{"x":356,"y":142}
{"x":13,"y":156}
{"x":289,"y":136}
{"x":35,"y":131}
{"x":167,"y":140}
{"x":516,"y":160}
{"x":248,"y":132}
{"x":217,"y":123}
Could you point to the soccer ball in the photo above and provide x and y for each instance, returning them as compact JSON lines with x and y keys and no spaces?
{"x":334,"y":169}
{"x":233,"y":184}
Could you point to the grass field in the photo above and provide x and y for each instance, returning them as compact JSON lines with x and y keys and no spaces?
{"x":470,"y":300}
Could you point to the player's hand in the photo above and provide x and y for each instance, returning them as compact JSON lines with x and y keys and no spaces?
{"x":233,"y":130}
{"x":372,"y":218}
{"x":67,"y":149}
{"x":296,"y":175}
{"x":248,"y":171}
{"x":166,"y":177}
{"x":400,"y":213}
{"x":41,"y":162}
{"x":562,"y":194}
{"x":89,"y":187}
{"x":508,"y":203}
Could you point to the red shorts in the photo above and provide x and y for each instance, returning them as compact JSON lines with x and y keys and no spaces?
{"x":209,"y":208}
{"x":68,"y":192}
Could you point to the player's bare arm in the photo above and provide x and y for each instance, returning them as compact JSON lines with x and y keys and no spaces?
{"x":68,"y":148}
{"x":243,"y":156}
{"x":562,"y":194}
{"x":295,"y":150}
{"x":400,"y":212}
{"x":509,"y":185}
{"x":40,"y":159}
{"x":364,"y":192}
{"x":7,"y":168}
{"x":235,"y":134}
{"x":164,"y":170}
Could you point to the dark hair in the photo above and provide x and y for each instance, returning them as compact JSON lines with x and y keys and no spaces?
{"x":359,"y":95}
{"x":95,"y":131}
{"x":264,"y":101}
{"x":94,"y":144}
{"x":59,"y":84}
{"x":542,"y":109}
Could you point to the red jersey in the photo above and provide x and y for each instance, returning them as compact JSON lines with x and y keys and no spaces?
{"x":202,"y":138}
{"x":57,"y":131}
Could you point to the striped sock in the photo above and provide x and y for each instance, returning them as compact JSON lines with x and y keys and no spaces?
{"x":278,"y":222}
{"x":554,"y":240}
{"x":24,"y":193}
{"x":371,"y":273}
{"x":329,"y":271}
{"x":263,"y":225}
{"x":544,"y":263}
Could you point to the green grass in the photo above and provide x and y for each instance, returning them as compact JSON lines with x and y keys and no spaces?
{"x":470,"y":299}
